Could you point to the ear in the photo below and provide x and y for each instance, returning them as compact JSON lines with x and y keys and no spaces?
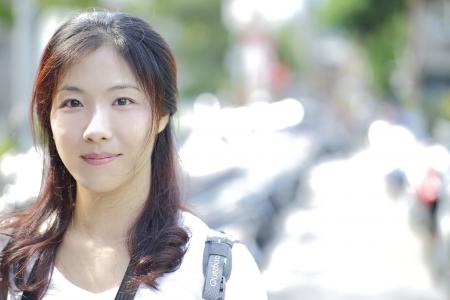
{"x":163,"y":122}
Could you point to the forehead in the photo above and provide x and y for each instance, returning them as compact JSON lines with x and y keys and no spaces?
{"x":99,"y":69}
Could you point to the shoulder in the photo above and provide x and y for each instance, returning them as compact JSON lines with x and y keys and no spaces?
{"x":187,"y":281}
{"x":245,"y":281}
{"x":198,"y":232}
{"x":192,"y":222}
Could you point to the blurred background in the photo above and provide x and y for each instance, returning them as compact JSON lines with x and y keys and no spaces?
{"x":316,"y":131}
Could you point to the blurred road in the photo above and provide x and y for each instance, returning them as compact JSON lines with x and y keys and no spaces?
{"x":346,"y":238}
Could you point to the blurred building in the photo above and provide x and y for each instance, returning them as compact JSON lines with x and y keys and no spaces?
{"x":5,"y":78}
{"x":424,"y":74}
{"x":430,"y":41}
{"x":18,"y":61}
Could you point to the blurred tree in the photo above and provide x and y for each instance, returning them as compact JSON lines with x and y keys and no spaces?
{"x":287,"y":47}
{"x":6,"y":16}
{"x":202,"y":43}
{"x":378,"y":25}
{"x":68,"y":3}
{"x":6,"y":144}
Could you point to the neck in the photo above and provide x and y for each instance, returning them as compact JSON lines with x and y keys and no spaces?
{"x":107,"y":217}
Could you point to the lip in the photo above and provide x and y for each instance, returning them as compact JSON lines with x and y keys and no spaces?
{"x":98,"y":159}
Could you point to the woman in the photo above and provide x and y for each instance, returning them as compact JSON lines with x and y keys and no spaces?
{"x":109,"y":210}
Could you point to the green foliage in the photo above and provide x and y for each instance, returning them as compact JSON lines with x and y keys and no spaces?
{"x":361,"y":16}
{"x":442,"y":105}
{"x":379,"y":25}
{"x":344,"y":13}
{"x":287,"y":48}
{"x":6,"y":144}
{"x":68,"y":3}
{"x":383,"y":48}
{"x":6,"y":15}
{"x":202,"y":43}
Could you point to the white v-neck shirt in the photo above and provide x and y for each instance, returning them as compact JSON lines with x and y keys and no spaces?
{"x":185,"y":283}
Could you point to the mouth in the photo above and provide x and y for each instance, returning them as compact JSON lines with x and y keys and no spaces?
{"x":97,"y":159}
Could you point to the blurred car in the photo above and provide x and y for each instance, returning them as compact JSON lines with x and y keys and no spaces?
{"x":242,"y":165}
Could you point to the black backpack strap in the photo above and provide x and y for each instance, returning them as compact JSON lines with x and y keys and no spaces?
{"x":127,"y":289}
{"x":217,"y":263}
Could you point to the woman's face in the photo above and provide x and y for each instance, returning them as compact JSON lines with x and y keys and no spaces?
{"x":100,"y":119}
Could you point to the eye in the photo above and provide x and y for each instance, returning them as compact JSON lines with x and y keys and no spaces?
{"x":122,"y":101}
{"x":71,"y":103}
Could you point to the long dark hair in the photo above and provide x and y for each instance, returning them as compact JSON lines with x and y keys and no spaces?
{"x":156,"y":241}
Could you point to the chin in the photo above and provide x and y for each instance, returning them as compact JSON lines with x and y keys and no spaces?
{"x":98,"y":185}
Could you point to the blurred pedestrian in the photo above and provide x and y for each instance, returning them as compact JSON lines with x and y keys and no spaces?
{"x":108,"y":221}
{"x":429,"y":194}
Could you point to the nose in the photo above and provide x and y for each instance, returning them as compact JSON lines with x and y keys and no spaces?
{"x":98,"y":128}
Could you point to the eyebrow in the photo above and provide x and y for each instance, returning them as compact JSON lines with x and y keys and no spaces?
{"x":72,"y":88}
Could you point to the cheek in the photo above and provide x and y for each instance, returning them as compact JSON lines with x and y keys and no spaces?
{"x":137,"y":130}
{"x":65,"y":134}
{"x":136,"y":137}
